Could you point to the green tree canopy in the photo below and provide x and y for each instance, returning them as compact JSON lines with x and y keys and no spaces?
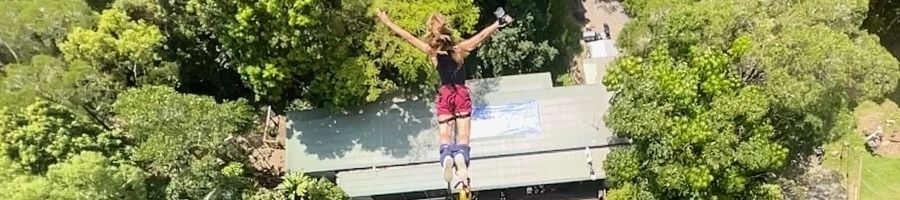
{"x":88,"y":175}
{"x":697,"y":131}
{"x":78,"y":86}
{"x":44,"y":133}
{"x":181,"y":137}
{"x":298,"y":185}
{"x":40,"y":78}
{"x":295,"y":49}
{"x":201,"y":59}
{"x":171,"y":129}
{"x":718,"y":96}
{"x":15,"y":184}
{"x":36,"y":26}
{"x":813,"y":70}
{"x":544,"y":37}
{"x":123,"y":48}
{"x":514,"y":50}
{"x":530,"y":43}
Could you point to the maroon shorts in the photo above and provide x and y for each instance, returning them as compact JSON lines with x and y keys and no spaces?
{"x":453,"y":99}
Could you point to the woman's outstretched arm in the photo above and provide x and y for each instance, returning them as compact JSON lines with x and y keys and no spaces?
{"x":403,"y":33}
{"x":470,"y":44}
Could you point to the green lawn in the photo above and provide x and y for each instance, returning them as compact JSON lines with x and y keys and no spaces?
{"x":874,"y":177}
{"x":880,"y":178}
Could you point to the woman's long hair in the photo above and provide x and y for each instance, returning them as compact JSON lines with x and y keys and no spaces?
{"x":439,"y":37}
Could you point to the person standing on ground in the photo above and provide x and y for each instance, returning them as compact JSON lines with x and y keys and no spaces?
{"x":454,"y":105}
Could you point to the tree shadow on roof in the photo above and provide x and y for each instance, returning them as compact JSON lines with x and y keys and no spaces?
{"x":386,"y":126}
{"x":406,"y":129}
{"x":478,"y":89}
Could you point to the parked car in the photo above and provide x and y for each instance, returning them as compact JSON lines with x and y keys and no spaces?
{"x":590,"y":36}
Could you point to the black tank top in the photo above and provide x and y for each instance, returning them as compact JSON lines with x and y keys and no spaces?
{"x":449,"y":70}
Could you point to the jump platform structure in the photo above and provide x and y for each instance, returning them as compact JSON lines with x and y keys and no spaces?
{"x":525,"y":132}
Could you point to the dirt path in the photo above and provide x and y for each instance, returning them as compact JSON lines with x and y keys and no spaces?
{"x":610,"y":12}
{"x":599,"y":12}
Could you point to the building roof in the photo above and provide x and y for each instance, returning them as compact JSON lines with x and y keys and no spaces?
{"x":603,"y":49}
{"x":486,"y":174}
{"x":398,"y":139}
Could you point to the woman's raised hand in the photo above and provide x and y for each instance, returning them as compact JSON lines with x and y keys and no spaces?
{"x":506,"y":19}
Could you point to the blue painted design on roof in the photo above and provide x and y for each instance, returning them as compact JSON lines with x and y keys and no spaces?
{"x":506,"y":119}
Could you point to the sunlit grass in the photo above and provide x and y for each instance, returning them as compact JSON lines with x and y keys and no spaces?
{"x":865,"y":175}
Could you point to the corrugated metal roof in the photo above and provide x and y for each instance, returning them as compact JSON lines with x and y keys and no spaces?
{"x":512,"y":83}
{"x":405,"y":133}
{"x":386,"y":132}
{"x":486,"y":174}
{"x":391,"y":146}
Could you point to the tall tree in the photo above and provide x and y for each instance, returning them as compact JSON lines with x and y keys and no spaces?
{"x":297,"y":184}
{"x":43,"y":134}
{"x":544,"y":37}
{"x":77,"y":85}
{"x":35,"y":27}
{"x":124,"y":48}
{"x":182,"y":138}
{"x":697,"y":131}
{"x":16,"y":184}
{"x":718,"y":96}
{"x":514,"y":50}
{"x":295,"y":49}
{"x":814,"y":67}
{"x":201,"y":59}
{"x":88,"y":175}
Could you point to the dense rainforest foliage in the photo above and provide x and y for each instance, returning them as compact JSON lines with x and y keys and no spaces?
{"x":721,"y":97}
{"x":147,"y":99}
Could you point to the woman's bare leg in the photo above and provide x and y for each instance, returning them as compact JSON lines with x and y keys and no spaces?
{"x":461,"y":157}
{"x":445,"y":124}
{"x":463,"y":128}
{"x":445,"y":128}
